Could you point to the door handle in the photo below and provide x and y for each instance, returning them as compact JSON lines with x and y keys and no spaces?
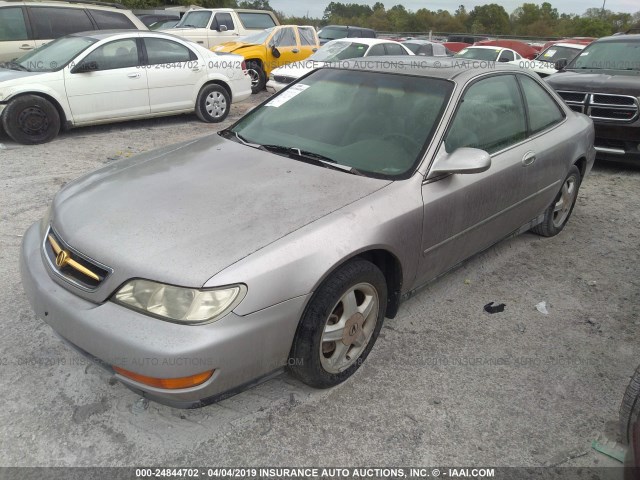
{"x":200,"y":41}
{"x":295,"y":50}
{"x":195,"y":69}
{"x":133,"y":75}
{"x":528,"y":158}
{"x":26,"y":46}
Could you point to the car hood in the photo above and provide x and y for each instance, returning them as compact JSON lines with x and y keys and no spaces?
{"x":8,"y":75}
{"x":235,"y":46}
{"x":601,"y":81}
{"x":298,"y":69}
{"x":182,"y":214}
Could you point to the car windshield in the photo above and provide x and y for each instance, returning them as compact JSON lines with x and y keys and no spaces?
{"x":377,"y":123}
{"x":490,"y":54}
{"x":556,"y":52}
{"x":56,"y":54}
{"x":620,"y":55}
{"x":163,"y":24}
{"x":329,"y":33}
{"x":339,"y":51}
{"x":258,"y":38}
{"x":197,"y":19}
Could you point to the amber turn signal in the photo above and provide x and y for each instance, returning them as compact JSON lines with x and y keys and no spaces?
{"x":168,"y":383}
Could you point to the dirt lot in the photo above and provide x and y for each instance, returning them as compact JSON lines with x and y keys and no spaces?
{"x":446,"y":383}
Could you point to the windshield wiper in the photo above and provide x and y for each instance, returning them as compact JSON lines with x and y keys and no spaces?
{"x":14,"y":66}
{"x":310,"y":157}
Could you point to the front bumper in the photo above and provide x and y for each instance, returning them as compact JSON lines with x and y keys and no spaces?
{"x":618,"y":143}
{"x":241,"y":349}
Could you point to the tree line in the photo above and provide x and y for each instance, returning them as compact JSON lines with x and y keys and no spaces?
{"x":528,"y":20}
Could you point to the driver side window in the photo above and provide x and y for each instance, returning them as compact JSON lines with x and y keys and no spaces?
{"x":491,"y":116}
{"x":113,"y":55}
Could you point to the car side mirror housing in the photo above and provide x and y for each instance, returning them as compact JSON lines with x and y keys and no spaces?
{"x":84,"y":67}
{"x":462,"y":160}
{"x":275,"y":52}
{"x":561,"y":64}
{"x":222,"y":28}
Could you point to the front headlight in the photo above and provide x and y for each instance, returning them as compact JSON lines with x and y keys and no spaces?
{"x":178,"y":304}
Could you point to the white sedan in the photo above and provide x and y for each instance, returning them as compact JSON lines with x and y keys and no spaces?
{"x":545,"y":62}
{"x":489,"y":54}
{"x":100,"y":77}
{"x":331,"y":52}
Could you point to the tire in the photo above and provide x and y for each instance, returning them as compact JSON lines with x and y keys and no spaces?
{"x":630,"y":407}
{"x":213,"y":104}
{"x":258,"y":77}
{"x":358,"y":287}
{"x":559,"y":212}
{"x":30,"y":120}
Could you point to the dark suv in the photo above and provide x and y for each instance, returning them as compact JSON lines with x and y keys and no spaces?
{"x":603,"y":81}
{"x":331,"y":32}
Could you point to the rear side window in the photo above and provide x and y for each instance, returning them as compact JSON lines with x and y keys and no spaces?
{"x":12,"y":24}
{"x":307,"y":36}
{"x":54,"y":22}
{"x":543,"y":110}
{"x":507,"y":55}
{"x":256,"y":20}
{"x":111,"y":20}
{"x":222,"y":19}
{"x":368,"y":34}
{"x":161,"y":51}
{"x":491,"y":116}
{"x":394,"y":49}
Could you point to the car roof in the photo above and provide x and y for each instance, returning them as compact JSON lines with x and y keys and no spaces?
{"x":65,"y":4}
{"x":347,"y":26}
{"x":634,"y":37}
{"x":446,"y":68}
{"x":366,"y":41}
{"x":102,"y":34}
{"x":488,"y":47}
{"x":577,"y":46}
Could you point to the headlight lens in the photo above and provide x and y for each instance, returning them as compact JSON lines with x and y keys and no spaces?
{"x":178,"y":304}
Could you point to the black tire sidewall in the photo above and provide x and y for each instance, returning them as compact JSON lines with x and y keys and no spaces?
{"x":201,"y":109}
{"x":17,"y":106}
{"x":261,"y":76}
{"x":304,"y":360}
{"x":547,"y":228}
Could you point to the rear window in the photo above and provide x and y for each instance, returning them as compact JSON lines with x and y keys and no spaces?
{"x":256,"y":20}
{"x":111,"y":20}
{"x":54,"y":22}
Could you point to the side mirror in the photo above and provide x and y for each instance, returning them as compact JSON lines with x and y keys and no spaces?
{"x":84,"y":67}
{"x":561,"y":64}
{"x":275,"y":52}
{"x":222,"y":28}
{"x":462,"y":160}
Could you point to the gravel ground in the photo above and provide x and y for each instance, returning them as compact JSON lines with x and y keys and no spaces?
{"x":446,"y":383}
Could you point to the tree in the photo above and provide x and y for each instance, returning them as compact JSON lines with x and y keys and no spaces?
{"x":491,"y":19}
{"x":256,"y":5}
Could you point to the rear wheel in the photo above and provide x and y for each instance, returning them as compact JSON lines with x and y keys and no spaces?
{"x":257,"y":75}
{"x":213,"y":104}
{"x":630,"y":407}
{"x":340,"y":325}
{"x":30,"y":119}
{"x":558,"y":213}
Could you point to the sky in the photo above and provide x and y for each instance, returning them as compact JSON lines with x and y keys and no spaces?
{"x":315,"y":9}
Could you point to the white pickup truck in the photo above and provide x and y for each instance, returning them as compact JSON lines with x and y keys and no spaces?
{"x":212,"y":26}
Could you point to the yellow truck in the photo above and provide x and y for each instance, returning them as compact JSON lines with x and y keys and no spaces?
{"x":272,"y":48}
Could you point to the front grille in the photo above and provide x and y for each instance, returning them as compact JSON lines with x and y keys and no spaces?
{"x":603,"y":106}
{"x":71,"y":265}
{"x":283,"y":79}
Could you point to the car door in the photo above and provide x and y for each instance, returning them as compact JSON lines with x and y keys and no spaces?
{"x":308,"y":41}
{"x":222,"y":29}
{"x":15,"y":38}
{"x":466,"y":213}
{"x":49,"y":23}
{"x":286,"y":42}
{"x":116,"y":88}
{"x":173,"y":74}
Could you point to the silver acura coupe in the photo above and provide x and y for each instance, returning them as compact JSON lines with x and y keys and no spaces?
{"x":196,"y":270}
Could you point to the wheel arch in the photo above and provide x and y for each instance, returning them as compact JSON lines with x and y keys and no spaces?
{"x":581,"y":163}
{"x":64,"y":122}
{"x":391,"y":268}
{"x":222,"y":83}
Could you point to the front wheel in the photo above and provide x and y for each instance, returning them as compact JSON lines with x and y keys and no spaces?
{"x":257,"y":75}
{"x":30,"y":119}
{"x":558,"y":213}
{"x":340,"y":325}
{"x":213,"y":104}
